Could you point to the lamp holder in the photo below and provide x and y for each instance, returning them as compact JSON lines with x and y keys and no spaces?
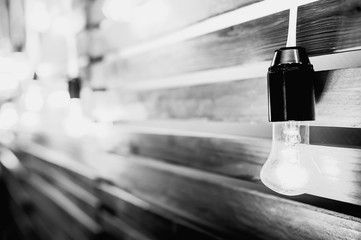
{"x":290,"y":84}
{"x":74,"y":86}
{"x":35,"y":76}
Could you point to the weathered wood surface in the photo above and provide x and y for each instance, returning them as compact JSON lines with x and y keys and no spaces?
{"x":338,"y":97}
{"x":329,"y":25}
{"x":201,"y":196}
{"x":57,"y":207}
{"x":321,"y":30}
{"x":245,"y":43}
{"x":178,"y":14}
{"x":82,"y":196}
{"x":49,"y":207}
{"x":121,"y":229}
{"x":149,"y":219}
{"x":138,"y":218}
{"x":243,"y":158}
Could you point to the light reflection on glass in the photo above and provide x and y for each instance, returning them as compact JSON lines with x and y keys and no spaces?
{"x":58,"y":99}
{"x":75,"y":124}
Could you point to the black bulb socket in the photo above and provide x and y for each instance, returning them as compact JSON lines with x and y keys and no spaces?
{"x":74,"y":86}
{"x":290,"y":84}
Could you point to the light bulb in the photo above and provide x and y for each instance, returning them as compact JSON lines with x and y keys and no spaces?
{"x":33,"y":98}
{"x":58,"y":99}
{"x":75,"y":124}
{"x":290,"y":168}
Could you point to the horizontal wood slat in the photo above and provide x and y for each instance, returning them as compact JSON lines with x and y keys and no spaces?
{"x":121,"y":229}
{"x":321,"y":30}
{"x":338,"y":96}
{"x":178,"y":14}
{"x":82,"y":196}
{"x":200,"y":195}
{"x":240,"y":158}
{"x":54,"y":205}
{"x":37,"y":196}
{"x":329,"y":25}
{"x":243,"y":158}
{"x":245,"y":43}
{"x":228,"y":206}
{"x":45,"y":227}
{"x":83,"y":174}
{"x":130,"y":210}
{"x":150,"y":219}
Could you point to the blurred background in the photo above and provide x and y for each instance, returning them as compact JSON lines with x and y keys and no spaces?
{"x":147,"y":119}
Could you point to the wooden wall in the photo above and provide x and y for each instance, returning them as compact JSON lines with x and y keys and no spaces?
{"x":189,"y":134}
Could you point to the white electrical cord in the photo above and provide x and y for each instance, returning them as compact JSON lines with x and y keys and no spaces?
{"x":70,"y":37}
{"x":292,"y":24}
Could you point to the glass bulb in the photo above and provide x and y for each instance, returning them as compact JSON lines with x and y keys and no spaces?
{"x":289,"y":168}
{"x":75,"y":123}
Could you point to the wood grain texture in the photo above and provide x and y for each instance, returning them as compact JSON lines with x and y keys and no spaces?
{"x":61,"y":217}
{"x":243,"y":158}
{"x":41,"y":201}
{"x":245,"y":43}
{"x":148,"y":219}
{"x":321,"y":30}
{"x":44,"y":228}
{"x":178,"y":14}
{"x":121,"y":229}
{"x":338,"y":95}
{"x":201,"y":196}
{"x":83,"y":197}
{"x":329,"y":25}
{"x":137,"y":219}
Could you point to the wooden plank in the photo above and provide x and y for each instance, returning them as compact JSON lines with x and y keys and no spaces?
{"x":109,"y":37}
{"x":99,"y":78}
{"x":146,"y":218}
{"x":121,"y":229}
{"x":237,"y":101}
{"x":22,"y":219}
{"x":29,"y":188}
{"x":79,"y":194}
{"x":200,"y":192}
{"x":43,"y":207}
{"x":102,"y":79}
{"x":82,"y":172}
{"x":253,"y":41}
{"x":201,"y":196}
{"x":179,"y":14}
{"x":329,"y":26}
{"x":243,"y":158}
{"x":53,"y":203}
{"x":245,"y":43}
{"x":46,"y":228}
